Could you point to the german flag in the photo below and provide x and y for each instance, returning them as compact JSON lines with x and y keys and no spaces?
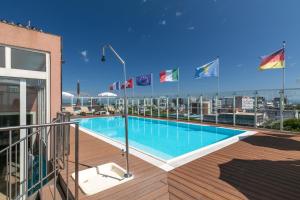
{"x":273,"y":61}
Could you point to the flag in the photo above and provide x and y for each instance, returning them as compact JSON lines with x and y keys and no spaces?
{"x":207,"y":70}
{"x":115,"y":86}
{"x":273,"y":61}
{"x":169,"y":75}
{"x":129,"y":84}
{"x":144,"y":80}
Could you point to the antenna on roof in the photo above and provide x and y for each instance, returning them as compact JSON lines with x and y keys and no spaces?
{"x":29,"y":24}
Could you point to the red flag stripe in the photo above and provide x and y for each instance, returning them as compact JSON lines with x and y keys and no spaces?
{"x":162,"y":76}
{"x":278,"y":56}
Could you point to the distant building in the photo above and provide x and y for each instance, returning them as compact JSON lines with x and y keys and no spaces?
{"x":276,"y":102}
{"x":227,"y":102}
{"x":206,"y":108}
{"x":244,"y":103}
{"x":261,"y":102}
{"x":246,"y":119}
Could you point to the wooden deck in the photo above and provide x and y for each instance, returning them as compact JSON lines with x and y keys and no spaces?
{"x":149,"y":181}
{"x":264,"y":166}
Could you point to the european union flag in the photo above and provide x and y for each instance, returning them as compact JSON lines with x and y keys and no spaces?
{"x":144,"y":80}
{"x":208,"y":70}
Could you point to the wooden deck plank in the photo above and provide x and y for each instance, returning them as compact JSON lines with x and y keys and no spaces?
{"x":262,"y":167}
{"x":92,"y":152}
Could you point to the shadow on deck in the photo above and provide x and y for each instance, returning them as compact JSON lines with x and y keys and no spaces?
{"x":265,"y":166}
{"x":262,"y":167}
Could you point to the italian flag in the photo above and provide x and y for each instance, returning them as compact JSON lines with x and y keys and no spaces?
{"x":169,"y":75}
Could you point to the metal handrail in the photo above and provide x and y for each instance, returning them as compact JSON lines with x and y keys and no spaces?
{"x":48,"y":138}
{"x":36,"y":126}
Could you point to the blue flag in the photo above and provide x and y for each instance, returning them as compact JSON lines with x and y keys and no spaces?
{"x":143,"y":80}
{"x":207,"y":70}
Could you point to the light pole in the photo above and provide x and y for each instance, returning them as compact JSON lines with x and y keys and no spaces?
{"x":128,"y":174}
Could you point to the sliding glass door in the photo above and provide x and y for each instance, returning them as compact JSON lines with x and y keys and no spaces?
{"x":22,"y":102}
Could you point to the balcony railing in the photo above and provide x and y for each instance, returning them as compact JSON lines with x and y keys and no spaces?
{"x":33,"y":157}
{"x":272,"y":109}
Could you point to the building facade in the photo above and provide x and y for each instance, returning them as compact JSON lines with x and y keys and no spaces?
{"x":30,"y":75}
{"x":30,"y":87}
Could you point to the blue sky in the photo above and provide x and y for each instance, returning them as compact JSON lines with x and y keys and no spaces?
{"x":153,"y":35}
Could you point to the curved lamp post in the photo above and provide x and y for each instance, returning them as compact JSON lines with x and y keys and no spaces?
{"x":128,"y":174}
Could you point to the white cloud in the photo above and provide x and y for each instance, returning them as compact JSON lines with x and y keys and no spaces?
{"x":130,"y":29}
{"x":163,"y":22}
{"x":178,"y":14}
{"x":191,"y":28}
{"x":239,"y":65}
{"x":84,"y":55}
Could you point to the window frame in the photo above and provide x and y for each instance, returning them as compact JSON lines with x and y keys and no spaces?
{"x":7,"y":71}
{"x":29,"y":51}
{"x":4,"y":57}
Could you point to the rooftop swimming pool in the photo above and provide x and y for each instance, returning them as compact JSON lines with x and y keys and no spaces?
{"x":162,"y":139}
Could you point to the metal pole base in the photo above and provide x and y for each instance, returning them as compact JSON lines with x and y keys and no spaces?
{"x":127,"y":175}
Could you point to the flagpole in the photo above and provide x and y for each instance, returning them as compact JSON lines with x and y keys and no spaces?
{"x":218,"y":90}
{"x":151,"y":99}
{"x":133,"y":85}
{"x":282,"y":93}
{"x":152,"y":90}
{"x":133,"y":91}
{"x":283,"y":70}
{"x":178,"y":83}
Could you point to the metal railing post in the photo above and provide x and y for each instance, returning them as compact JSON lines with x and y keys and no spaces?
{"x":91,"y":103}
{"x":234,"y":111}
{"x":132,"y":106}
{"x":255,"y":110}
{"x":158,"y":106}
{"x":9,"y":169}
{"x":151,"y":106}
{"x":188,"y":108}
{"x":26,"y":157}
{"x":281,"y":109}
{"x":67,"y":166}
{"x":177,"y":104}
{"x":41,"y":163}
{"x":138,"y":107}
{"x":201,"y":108}
{"x":144,"y":107}
{"x":167,"y":107}
{"x":76,"y":160}
{"x":216,"y":107}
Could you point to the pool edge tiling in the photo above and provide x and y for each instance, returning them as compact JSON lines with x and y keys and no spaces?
{"x":177,"y":161}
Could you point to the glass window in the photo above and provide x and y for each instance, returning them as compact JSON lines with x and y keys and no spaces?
{"x":2,"y":56}
{"x":36,"y":100}
{"x":9,"y":102}
{"x":22,"y":59}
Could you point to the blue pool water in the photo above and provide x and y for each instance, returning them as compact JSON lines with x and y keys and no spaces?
{"x":160,"y":138}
